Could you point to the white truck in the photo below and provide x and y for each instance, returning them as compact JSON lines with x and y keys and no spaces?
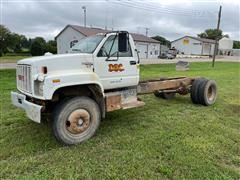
{"x":100,"y":75}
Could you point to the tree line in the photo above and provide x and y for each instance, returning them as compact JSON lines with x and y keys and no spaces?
{"x":13,"y":43}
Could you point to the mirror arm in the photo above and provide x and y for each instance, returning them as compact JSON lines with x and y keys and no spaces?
{"x":112,"y":45}
{"x":137,"y":56}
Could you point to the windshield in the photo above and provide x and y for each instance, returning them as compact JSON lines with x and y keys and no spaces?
{"x":87,"y":45}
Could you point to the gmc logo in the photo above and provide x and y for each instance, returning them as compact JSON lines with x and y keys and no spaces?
{"x":21,"y":77}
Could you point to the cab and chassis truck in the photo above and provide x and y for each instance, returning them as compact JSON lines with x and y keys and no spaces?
{"x":99,"y":75}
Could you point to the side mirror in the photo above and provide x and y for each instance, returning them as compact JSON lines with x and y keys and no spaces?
{"x":123,"y":42}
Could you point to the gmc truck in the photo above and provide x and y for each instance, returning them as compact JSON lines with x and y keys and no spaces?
{"x":101,"y":74}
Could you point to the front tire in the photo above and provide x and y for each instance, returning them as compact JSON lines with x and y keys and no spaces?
{"x":76,"y":120}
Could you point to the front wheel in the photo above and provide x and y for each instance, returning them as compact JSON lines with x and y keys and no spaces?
{"x":76,"y":120}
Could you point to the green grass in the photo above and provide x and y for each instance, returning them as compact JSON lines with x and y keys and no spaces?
{"x":162,"y":140}
{"x":11,"y":59}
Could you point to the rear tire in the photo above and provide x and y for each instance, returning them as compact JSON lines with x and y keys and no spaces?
{"x":207,"y":93}
{"x":76,"y":120}
{"x":195,"y":89}
{"x":165,"y":95}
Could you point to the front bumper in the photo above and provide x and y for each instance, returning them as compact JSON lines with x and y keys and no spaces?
{"x":32,"y":110}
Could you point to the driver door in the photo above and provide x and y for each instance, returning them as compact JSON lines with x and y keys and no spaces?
{"x":116,"y":69}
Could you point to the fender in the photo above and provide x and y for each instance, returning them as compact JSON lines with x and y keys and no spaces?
{"x":54,"y":82}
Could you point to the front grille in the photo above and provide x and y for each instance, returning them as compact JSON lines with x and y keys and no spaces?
{"x":24,"y":81}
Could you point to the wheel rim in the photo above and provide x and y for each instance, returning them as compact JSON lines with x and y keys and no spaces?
{"x":78,"y":121}
{"x":211,"y":93}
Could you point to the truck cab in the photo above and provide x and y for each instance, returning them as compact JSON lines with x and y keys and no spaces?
{"x":114,"y":68}
{"x":95,"y":59}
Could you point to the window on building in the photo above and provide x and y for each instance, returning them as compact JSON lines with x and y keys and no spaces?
{"x":156,"y":52}
{"x":197,"y":43}
{"x":185,"y":41}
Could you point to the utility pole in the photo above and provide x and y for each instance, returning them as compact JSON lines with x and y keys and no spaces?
{"x":216,"y":39}
{"x":112,"y":24}
{"x":85,"y":15}
{"x":147,"y":31}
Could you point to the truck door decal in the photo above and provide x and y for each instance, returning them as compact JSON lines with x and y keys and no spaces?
{"x":115,"y":68}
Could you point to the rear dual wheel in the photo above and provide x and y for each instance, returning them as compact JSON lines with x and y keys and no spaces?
{"x":203,"y":91}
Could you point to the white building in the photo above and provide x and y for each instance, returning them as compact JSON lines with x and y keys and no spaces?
{"x":71,"y":34}
{"x":193,"y":45}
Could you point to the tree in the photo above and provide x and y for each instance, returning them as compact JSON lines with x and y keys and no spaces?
{"x":11,"y":42}
{"x":16,"y":42}
{"x":236,"y":44}
{"x":212,"y":34}
{"x":51,"y":46}
{"x":5,"y":34}
{"x":25,"y":42}
{"x":162,"y":40}
{"x":38,"y":46}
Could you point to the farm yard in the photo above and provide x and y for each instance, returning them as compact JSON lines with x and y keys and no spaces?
{"x":163,"y":140}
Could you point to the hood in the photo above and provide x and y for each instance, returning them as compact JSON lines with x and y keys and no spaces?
{"x":59,"y":63}
{"x":51,"y":58}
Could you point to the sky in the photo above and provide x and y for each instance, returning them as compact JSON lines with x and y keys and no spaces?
{"x":168,"y":18}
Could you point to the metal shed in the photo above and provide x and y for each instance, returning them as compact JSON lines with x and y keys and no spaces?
{"x":193,"y":45}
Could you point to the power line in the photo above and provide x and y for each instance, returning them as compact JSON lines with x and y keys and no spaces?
{"x":194,"y":11}
{"x":166,"y":10}
{"x":148,"y":9}
{"x":158,"y":10}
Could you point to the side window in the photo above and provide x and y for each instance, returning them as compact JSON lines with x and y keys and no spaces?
{"x":113,"y":42}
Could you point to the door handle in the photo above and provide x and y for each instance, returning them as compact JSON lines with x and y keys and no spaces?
{"x":133,"y":62}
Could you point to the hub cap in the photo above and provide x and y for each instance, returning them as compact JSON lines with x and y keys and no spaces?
{"x":211,"y":93}
{"x":78,"y":121}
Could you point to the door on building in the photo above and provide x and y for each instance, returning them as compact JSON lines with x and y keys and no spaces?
{"x":118,"y":70}
{"x":206,"y":49}
{"x":143,"y":50}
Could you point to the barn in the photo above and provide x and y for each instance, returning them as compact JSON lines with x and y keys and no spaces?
{"x":71,"y":34}
{"x":194,"y":45}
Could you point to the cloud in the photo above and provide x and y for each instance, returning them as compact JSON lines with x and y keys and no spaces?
{"x":171,"y":18}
